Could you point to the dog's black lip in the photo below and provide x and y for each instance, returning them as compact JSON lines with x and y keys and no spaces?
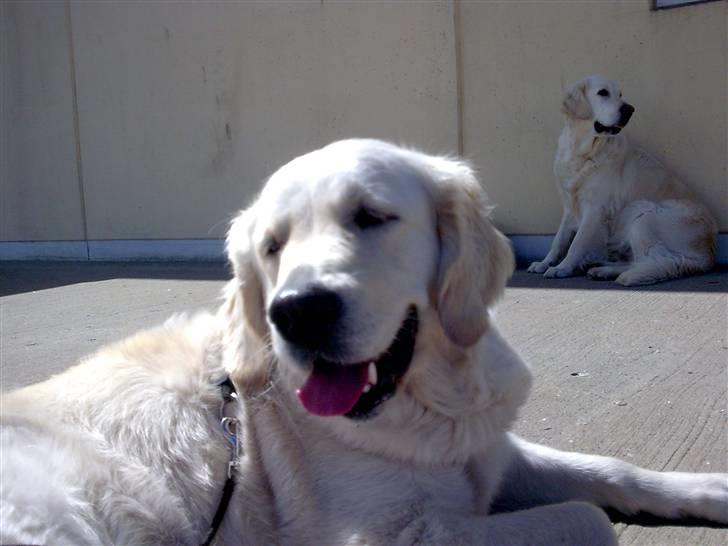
{"x":611,"y":129}
{"x":391,"y":366}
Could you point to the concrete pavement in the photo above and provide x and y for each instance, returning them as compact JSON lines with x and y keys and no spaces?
{"x":639,"y":374}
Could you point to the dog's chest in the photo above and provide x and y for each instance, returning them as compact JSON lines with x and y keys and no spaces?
{"x":585,"y":185}
{"x":354,"y":497}
{"x":573,"y":172}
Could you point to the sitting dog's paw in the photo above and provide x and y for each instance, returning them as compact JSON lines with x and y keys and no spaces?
{"x":603,"y":273}
{"x":558,"y":272}
{"x":538,"y":267}
{"x":632,"y":278}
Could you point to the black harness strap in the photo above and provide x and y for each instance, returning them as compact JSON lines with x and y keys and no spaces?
{"x":228,"y":394}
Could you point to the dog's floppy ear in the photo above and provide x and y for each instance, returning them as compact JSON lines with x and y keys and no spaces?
{"x":244,"y":310}
{"x":575,"y":103}
{"x":240,"y":254}
{"x":475,"y":258}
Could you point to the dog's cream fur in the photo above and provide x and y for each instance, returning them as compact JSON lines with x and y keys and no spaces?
{"x":625,"y":216}
{"x":126,"y":447}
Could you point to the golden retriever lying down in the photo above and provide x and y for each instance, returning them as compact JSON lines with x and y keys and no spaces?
{"x":626,"y":217}
{"x":376,"y":393}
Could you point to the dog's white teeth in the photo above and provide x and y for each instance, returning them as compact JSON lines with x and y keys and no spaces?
{"x":367,"y":387}
{"x":372,"y":373}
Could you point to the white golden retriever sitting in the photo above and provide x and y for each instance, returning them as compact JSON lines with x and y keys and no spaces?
{"x":625,"y":215}
{"x":376,"y":393}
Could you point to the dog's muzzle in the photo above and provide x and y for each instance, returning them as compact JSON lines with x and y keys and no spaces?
{"x":309,"y":320}
{"x":625,"y":113}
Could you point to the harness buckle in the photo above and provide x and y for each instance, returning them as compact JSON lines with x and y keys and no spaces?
{"x":230,"y":430}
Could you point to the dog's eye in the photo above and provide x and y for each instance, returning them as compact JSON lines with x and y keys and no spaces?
{"x":272,"y":247}
{"x":603,"y":93}
{"x":366,"y":218}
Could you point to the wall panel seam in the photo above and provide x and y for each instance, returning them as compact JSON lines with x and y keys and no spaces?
{"x":457,"y":35}
{"x":77,"y":126}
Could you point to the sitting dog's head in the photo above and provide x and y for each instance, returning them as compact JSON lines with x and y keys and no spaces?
{"x":366,"y":272}
{"x":598,"y":101}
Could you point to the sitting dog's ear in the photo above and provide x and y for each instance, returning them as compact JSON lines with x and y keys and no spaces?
{"x":575,"y":103}
{"x":475,"y":258}
{"x":244,"y":311}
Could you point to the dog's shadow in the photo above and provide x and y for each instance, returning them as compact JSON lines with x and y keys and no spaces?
{"x":642,"y":519}
{"x":648,"y":520}
{"x":21,"y":277}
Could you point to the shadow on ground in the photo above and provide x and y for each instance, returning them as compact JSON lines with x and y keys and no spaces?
{"x":20,"y":277}
{"x":648,"y":520}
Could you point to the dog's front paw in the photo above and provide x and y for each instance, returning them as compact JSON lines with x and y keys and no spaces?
{"x":709,"y":498}
{"x":633,"y":278}
{"x":602,"y":273}
{"x":676,"y":495}
{"x":558,"y":272}
{"x":538,"y":267}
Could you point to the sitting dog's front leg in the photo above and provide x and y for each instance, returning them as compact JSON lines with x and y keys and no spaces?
{"x":589,"y":245}
{"x":541,"y":475}
{"x":559,"y":246}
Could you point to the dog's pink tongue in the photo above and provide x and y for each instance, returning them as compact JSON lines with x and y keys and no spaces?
{"x":333,"y":390}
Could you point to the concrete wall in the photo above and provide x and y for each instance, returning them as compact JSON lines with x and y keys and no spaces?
{"x":131,"y":120}
{"x":40,"y":196}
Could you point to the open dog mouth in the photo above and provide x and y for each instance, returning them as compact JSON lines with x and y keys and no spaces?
{"x":608,"y":129}
{"x":355,"y":390}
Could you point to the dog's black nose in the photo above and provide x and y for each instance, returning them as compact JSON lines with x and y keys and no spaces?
{"x":625,"y":112}
{"x":307,"y":318}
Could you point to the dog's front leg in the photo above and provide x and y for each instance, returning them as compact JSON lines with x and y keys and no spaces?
{"x":560,"y":245}
{"x":541,"y":475}
{"x":589,"y":245}
{"x":566,"y":523}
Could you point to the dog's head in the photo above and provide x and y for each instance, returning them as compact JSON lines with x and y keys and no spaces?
{"x":598,"y":101}
{"x":367,"y":271}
